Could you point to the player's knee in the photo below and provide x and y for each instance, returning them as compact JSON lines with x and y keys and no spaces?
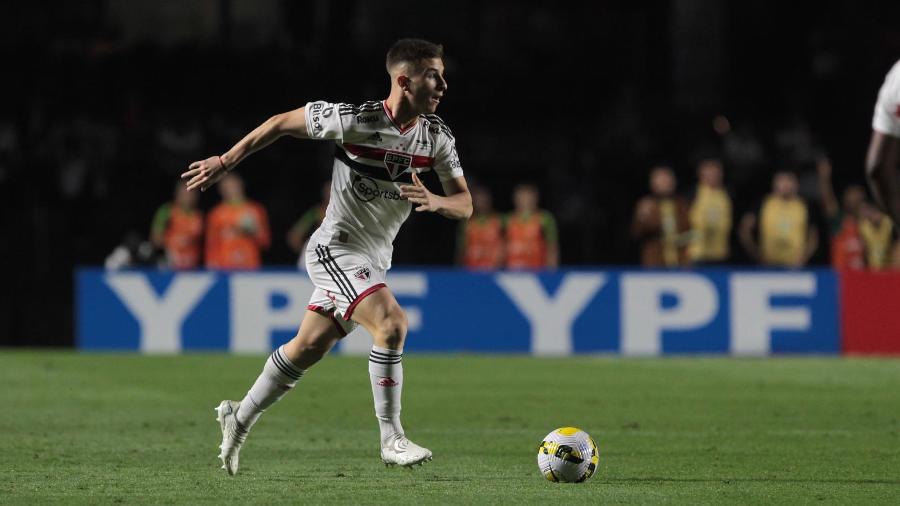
{"x":310,"y":345}
{"x":392,"y":329}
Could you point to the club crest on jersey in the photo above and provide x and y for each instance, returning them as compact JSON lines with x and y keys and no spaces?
{"x":362,"y":273}
{"x":396,"y":163}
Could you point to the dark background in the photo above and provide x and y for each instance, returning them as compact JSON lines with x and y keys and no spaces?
{"x":105,"y":102}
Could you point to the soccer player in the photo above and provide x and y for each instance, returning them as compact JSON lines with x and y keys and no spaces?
{"x":883,"y":158}
{"x":177,"y":229}
{"x":381,"y":146}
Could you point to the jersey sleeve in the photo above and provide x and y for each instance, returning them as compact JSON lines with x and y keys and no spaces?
{"x":446,"y":163}
{"x":324,"y":120}
{"x":887,"y":109}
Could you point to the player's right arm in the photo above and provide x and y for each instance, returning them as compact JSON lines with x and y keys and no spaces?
{"x":205,"y":173}
{"x":883,"y":157}
{"x":316,"y":120}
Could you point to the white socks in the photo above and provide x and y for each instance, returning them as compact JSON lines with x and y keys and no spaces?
{"x":386,"y":374}
{"x":278,"y":377}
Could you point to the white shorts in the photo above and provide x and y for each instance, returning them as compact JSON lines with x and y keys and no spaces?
{"x":343,"y":278}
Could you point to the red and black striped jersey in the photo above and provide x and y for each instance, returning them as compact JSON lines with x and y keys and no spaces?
{"x":373,"y":157}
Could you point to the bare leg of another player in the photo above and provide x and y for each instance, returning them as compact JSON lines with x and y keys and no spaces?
{"x":318,"y":333}
{"x":383,"y":317}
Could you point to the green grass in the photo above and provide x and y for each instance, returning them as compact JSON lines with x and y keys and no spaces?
{"x":79,"y":428}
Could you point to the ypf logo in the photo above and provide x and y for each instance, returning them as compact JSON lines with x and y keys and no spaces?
{"x":396,"y":163}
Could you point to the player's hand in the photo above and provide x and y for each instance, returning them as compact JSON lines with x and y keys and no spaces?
{"x":418,"y":194}
{"x":205,"y":173}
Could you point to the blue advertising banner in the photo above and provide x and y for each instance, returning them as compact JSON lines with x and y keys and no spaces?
{"x":633,"y":312}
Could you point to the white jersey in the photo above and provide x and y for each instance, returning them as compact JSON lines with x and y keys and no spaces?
{"x":373,"y":157}
{"x":887,"y":110}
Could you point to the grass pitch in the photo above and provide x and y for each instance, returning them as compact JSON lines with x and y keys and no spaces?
{"x":128,"y":429}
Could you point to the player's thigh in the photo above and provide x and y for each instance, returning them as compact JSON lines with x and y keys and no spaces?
{"x":317,"y":332}
{"x":381,"y":314}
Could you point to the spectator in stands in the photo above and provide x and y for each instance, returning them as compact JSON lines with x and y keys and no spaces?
{"x":787,"y":237}
{"x":237,"y":229}
{"x":660,"y":224}
{"x":876,"y":231}
{"x":308,"y":222}
{"x":710,"y":216}
{"x":177,"y":230}
{"x":479,"y":243}
{"x":531,"y":237}
{"x":847,"y":249}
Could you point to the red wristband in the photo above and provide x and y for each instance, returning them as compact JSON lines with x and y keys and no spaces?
{"x":223,"y":163}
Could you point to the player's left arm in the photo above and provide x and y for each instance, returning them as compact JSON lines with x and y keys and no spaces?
{"x":456,"y":203}
{"x":204,"y":173}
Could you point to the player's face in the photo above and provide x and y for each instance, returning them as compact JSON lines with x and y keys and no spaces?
{"x":428,"y":86}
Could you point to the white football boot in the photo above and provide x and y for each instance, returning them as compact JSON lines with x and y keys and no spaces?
{"x":400,"y":451}
{"x":233,"y":435}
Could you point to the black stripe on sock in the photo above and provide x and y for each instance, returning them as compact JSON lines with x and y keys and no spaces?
{"x":290,"y":365}
{"x":283,"y":367}
{"x":384,"y":355}
{"x":384,"y":363}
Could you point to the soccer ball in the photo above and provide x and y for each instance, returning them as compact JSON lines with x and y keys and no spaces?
{"x":567,"y":454}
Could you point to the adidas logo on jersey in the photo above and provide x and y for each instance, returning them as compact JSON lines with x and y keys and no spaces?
{"x":375,"y":137}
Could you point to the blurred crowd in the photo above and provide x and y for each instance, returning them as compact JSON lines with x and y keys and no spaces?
{"x":234,"y":234}
{"x":107,"y":102}
{"x":779,"y":229}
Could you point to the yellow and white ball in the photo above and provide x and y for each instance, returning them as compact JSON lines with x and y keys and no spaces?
{"x":568,"y":454}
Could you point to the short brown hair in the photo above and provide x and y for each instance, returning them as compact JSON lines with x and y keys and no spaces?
{"x":412,"y":51}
